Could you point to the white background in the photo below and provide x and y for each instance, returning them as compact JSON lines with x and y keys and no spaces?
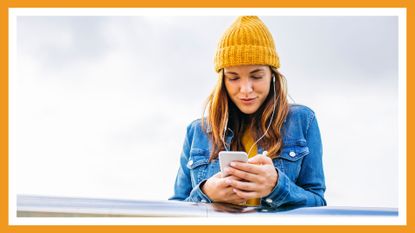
{"x":99,"y":105}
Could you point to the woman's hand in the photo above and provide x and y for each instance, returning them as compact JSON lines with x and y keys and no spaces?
{"x":258,"y":177}
{"x":217,"y":188}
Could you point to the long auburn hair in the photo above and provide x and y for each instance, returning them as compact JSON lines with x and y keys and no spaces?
{"x":222,"y":111}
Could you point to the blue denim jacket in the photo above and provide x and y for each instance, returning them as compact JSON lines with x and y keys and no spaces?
{"x":299,"y":165}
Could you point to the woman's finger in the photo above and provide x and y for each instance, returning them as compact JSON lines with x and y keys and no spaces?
{"x":242,"y":185}
{"x":246,"y":194}
{"x":242,"y":174}
{"x":247,"y":167}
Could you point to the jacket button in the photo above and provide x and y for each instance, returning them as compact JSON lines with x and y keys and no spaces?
{"x":190,"y":163}
{"x":268,"y":200}
{"x":292,"y":154}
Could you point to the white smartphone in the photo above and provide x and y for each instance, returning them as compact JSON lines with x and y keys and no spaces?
{"x":226,"y":157}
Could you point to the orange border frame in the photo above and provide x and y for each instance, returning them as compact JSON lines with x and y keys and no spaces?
{"x":5,"y":4}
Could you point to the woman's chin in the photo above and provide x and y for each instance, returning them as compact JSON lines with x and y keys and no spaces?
{"x":248,"y":110}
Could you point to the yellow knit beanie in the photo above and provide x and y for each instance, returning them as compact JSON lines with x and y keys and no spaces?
{"x":246,"y":42}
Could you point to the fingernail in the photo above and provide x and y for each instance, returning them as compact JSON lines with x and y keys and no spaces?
{"x":232,"y":164}
{"x":228,"y":181}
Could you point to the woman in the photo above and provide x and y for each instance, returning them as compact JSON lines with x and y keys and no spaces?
{"x":248,"y":111}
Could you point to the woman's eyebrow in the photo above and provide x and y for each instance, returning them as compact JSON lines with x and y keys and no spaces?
{"x":257,"y":70}
{"x":254,"y":71}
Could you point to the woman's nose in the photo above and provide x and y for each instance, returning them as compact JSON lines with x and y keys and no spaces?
{"x":246,"y":87}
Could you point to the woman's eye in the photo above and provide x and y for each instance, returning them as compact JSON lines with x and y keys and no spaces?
{"x":233,"y":78}
{"x":256,"y":77}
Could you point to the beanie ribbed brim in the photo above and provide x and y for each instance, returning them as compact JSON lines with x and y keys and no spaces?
{"x":245,"y":55}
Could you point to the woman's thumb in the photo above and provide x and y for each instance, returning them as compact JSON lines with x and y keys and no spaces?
{"x":259,"y":158}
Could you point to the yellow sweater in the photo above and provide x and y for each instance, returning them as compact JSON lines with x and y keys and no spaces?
{"x":247,"y":142}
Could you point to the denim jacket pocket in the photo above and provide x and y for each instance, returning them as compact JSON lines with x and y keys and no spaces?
{"x":198,"y":164}
{"x":291,"y":157}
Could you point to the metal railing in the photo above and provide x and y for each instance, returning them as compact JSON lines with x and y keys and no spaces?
{"x":44,"y":206}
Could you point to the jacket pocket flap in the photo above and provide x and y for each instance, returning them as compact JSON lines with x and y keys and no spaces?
{"x":197,"y":158}
{"x":294,"y":152}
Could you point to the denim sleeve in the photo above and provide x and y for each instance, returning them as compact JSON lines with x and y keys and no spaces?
{"x":309,"y":188}
{"x":183,"y":189}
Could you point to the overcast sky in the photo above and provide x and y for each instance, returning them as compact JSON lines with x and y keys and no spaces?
{"x":99,"y":105}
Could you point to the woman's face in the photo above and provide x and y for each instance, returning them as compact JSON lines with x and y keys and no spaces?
{"x":248,"y":86}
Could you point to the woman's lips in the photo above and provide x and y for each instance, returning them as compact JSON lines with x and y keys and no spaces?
{"x":247,"y":101}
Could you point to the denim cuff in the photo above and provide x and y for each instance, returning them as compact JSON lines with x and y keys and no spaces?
{"x":196,"y":195}
{"x":280,"y":191}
